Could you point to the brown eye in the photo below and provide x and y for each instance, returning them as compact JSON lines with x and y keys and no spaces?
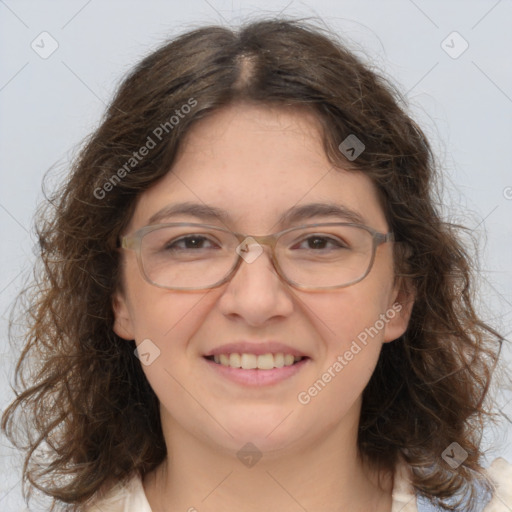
{"x":322,"y":242}
{"x":187,"y":242}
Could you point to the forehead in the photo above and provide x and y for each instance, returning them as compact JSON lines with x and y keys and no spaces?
{"x":256,"y":162}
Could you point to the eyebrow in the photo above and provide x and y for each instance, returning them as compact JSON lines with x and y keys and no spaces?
{"x":293,"y":215}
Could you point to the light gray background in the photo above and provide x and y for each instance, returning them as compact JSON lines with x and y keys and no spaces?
{"x":464,"y":105}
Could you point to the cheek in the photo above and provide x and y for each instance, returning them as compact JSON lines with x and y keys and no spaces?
{"x":161,"y":315}
{"x":351,"y":327}
{"x":347,"y":315}
{"x":337,"y":392}
{"x":169,"y":319}
{"x":164,"y":324}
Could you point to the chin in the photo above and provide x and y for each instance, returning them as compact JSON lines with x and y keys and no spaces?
{"x":266,"y":433}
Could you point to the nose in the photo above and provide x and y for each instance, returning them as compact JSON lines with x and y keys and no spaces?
{"x":256,"y":293}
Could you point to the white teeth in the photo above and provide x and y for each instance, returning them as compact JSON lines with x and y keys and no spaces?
{"x":252,"y":361}
{"x":266,"y":362}
{"x":249,"y":361}
{"x":235,"y":361}
{"x":278,"y":360}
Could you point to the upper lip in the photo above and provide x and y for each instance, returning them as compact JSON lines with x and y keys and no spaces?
{"x":257,"y":348}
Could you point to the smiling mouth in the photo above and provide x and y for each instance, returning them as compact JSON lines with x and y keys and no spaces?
{"x":256,"y":362}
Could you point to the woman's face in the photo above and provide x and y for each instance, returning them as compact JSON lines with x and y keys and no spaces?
{"x":256,"y":163}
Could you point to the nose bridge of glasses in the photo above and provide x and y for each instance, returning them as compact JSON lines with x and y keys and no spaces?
{"x":262,"y":240}
{"x":251,"y":248}
{"x":258,"y":243}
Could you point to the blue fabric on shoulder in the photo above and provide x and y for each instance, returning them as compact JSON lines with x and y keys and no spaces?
{"x":425,"y":505}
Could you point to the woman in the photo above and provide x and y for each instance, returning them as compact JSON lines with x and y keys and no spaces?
{"x":249,"y":300}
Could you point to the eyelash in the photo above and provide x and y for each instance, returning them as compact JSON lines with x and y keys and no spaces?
{"x":332,"y":241}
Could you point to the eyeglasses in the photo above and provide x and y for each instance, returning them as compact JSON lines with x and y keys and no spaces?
{"x":189,"y":256}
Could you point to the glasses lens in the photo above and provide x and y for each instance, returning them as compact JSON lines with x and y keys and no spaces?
{"x":325,"y":256}
{"x":194,"y":257}
{"x":187,"y":256}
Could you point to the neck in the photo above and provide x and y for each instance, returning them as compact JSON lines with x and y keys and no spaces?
{"x":326,"y":475}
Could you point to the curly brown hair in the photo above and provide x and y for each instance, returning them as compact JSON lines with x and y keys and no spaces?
{"x":84,"y":394}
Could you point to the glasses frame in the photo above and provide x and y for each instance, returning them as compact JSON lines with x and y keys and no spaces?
{"x":133,"y":242}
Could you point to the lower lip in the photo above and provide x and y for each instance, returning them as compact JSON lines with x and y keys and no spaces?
{"x":257,"y":377}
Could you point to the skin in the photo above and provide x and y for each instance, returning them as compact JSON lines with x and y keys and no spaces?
{"x":310,"y":458}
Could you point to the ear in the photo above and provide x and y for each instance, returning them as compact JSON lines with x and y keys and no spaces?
{"x":123,"y":326}
{"x":399,"y":310}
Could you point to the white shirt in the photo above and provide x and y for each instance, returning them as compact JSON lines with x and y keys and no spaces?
{"x":131,"y":496}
